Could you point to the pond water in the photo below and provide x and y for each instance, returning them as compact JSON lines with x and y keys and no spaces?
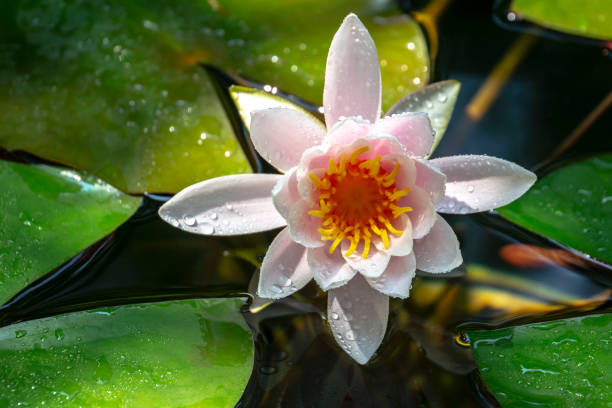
{"x":509,"y":275}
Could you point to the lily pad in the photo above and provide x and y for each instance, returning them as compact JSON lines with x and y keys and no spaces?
{"x":563,"y":363}
{"x":49,"y":214}
{"x":571,"y":205}
{"x":588,"y":18}
{"x":116,"y":87}
{"x":437,"y":99}
{"x":195,"y":353}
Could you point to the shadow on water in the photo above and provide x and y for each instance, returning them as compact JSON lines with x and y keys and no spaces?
{"x":511,"y":276}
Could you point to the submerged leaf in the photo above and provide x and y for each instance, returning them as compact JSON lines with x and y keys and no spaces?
{"x":49,"y":214}
{"x":555,"y":364}
{"x":196,"y":353}
{"x":437,"y":100}
{"x":571,"y":205}
{"x":588,"y":18}
{"x":115,"y":87}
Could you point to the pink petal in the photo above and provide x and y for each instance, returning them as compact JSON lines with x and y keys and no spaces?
{"x":438,"y":251}
{"x":481,"y":183}
{"x":397,"y":279}
{"x":285,"y":193}
{"x":284,"y":269}
{"x":347,"y":130}
{"x":423,"y":214}
{"x":330,"y":270}
{"x":412,"y":130}
{"x":383,"y":145}
{"x":357,"y":316}
{"x":281,"y":135}
{"x":229,"y":205}
{"x":406,"y":177}
{"x":303,"y":226}
{"x":373,"y":266}
{"x":352,"y":74}
{"x":430,"y":179}
{"x":398,"y":245}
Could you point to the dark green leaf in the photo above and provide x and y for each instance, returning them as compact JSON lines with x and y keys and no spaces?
{"x":564,"y":363}
{"x":48,"y":215}
{"x":571,"y":205}
{"x":195,"y":353}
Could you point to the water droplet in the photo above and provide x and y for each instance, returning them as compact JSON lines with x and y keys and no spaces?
{"x":442,"y":98}
{"x":20,"y":333}
{"x":229,"y":206}
{"x":429,"y":105}
{"x":207,"y":228}
{"x":335,"y":316}
{"x":213,"y":216}
{"x":267,"y":370}
{"x":470,"y":189}
{"x":350,"y":335}
{"x":190,"y":221}
{"x":285,"y":280}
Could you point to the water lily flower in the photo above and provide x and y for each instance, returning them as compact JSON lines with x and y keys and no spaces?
{"x":358,"y":197}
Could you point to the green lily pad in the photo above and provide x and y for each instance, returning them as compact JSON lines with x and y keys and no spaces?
{"x":115,"y":87}
{"x":564,"y":363}
{"x":437,"y":100}
{"x":588,"y":18}
{"x":48,"y":215}
{"x":195,"y":353}
{"x":571,"y":205}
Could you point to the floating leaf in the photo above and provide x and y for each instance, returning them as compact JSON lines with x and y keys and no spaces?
{"x":437,"y":99}
{"x":115,"y":87}
{"x":589,"y":18}
{"x":571,"y":205}
{"x":195,"y":353}
{"x":564,"y":363}
{"x":49,"y":214}
{"x":248,"y":100}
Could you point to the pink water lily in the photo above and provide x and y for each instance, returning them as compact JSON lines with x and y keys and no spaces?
{"x":359,"y":200}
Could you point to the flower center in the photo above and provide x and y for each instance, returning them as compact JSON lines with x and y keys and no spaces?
{"x":358,"y":198}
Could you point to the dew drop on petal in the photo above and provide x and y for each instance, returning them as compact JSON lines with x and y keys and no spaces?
{"x":190,"y":221}
{"x":207,"y":228}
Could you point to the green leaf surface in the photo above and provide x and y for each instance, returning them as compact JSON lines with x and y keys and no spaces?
{"x":115,"y":87}
{"x":437,"y":100}
{"x":48,"y":215}
{"x":588,"y":18}
{"x":563,"y":363}
{"x":195,"y":353}
{"x":571,"y":205}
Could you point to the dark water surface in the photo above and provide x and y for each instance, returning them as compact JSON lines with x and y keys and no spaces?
{"x":510,"y":276}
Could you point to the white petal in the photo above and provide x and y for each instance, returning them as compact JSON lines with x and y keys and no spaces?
{"x":481,"y":183}
{"x":358,"y":315}
{"x":438,"y":251}
{"x":285,"y":193}
{"x":423,"y":214}
{"x":284,"y":269}
{"x":229,"y":205}
{"x":281,"y":135}
{"x":330,"y":270}
{"x":412,"y":130}
{"x":352,"y":74}
{"x":303,"y":226}
{"x":401,"y":245}
{"x":396,"y":281}
{"x":430,"y":179}
{"x":373,"y":266}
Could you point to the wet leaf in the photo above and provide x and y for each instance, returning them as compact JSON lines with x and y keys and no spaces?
{"x":437,"y":99}
{"x":571,"y":205}
{"x":115,"y":87}
{"x":591,"y":18}
{"x":48,"y":215}
{"x":555,"y":364}
{"x":195,"y":353}
{"x":248,"y":100}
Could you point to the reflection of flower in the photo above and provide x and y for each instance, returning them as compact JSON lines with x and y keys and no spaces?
{"x":359,"y":199}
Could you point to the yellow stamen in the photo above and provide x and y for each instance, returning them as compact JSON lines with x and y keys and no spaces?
{"x":356,"y":153}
